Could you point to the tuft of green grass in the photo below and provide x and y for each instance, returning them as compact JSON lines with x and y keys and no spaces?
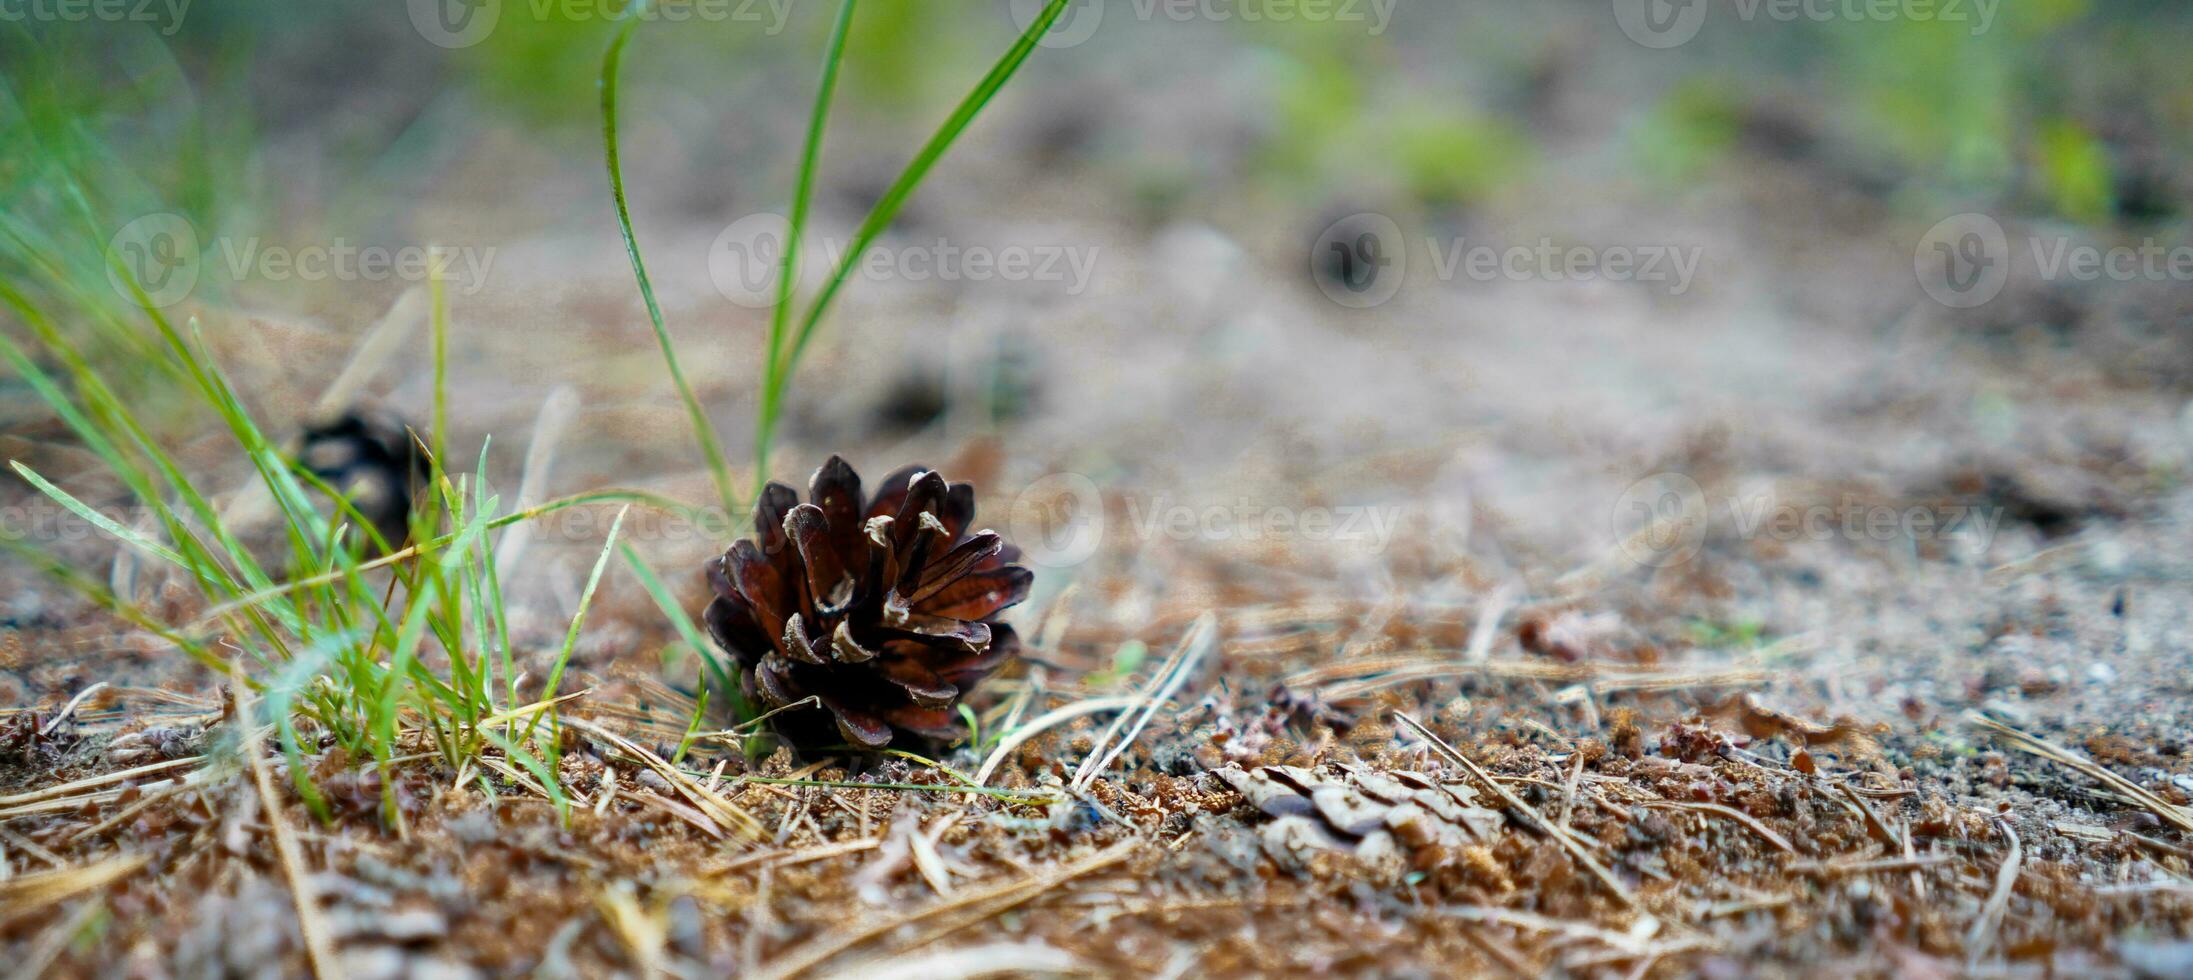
{"x":786,"y":345}
{"x":779,"y":372}
{"x":382,"y":657}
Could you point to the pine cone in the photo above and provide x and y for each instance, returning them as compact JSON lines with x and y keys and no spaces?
{"x":369,"y":457}
{"x":881,"y":609}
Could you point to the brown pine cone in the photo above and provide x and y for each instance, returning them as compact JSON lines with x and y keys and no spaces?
{"x":881,"y":609}
{"x":369,"y":457}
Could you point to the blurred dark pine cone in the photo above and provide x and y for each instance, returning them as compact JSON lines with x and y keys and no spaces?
{"x":370,"y":458}
{"x":881,"y":609}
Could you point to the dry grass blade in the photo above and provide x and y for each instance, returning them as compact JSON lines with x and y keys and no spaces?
{"x":782,"y":858}
{"x":38,"y":890}
{"x":1983,"y":931}
{"x":1750,"y":823}
{"x":153,"y":797}
{"x":666,"y":805}
{"x":1626,"y":943}
{"x":1500,"y":952}
{"x":2175,"y":816}
{"x":1834,"y":869}
{"x":722,"y":811}
{"x":522,"y":711}
{"x":1517,"y":805}
{"x":1488,"y":624}
{"x":381,"y":343}
{"x":1016,"y":959}
{"x":93,"y":782}
{"x":69,"y":709}
{"x":1364,"y":676}
{"x":922,"y":846}
{"x":643,"y":933}
{"x":557,"y":411}
{"x":1200,"y":639}
{"x":319,"y":945}
{"x":986,"y":901}
{"x":49,"y":802}
{"x":57,"y":937}
{"x":1044,"y":722}
{"x":1875,"y":828}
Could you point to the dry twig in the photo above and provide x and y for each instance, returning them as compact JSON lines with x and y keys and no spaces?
{"x":1516,"y":805}
{"x":1983,"y":931}
{"x":2176,"y":816}
{"x":985,"y":901}
{"x":1750,"y":823}
{"x":319,"y":945}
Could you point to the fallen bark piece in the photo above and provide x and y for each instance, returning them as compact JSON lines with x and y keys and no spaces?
{"x":1378,"y":818}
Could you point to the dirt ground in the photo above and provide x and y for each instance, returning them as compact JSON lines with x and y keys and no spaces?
{"x":1778,"y":734}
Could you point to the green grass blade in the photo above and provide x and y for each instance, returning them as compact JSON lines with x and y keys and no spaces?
{"x":692,"y":727}
{"x":803,"y":193}
{"x":578,"y":618}
{"x":703,"y":431}
{"x":887,"y":207}
{"x":438,"y":319}
{"x":640,"y":497}
{"x":672,"y":611}
{"x":539,"y":770}
{"x":101,"y":521}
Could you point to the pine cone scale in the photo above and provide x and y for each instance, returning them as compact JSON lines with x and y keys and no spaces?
{"x":977,"y":591}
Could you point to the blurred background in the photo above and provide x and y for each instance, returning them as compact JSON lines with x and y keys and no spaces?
{"x":1498,"y":280}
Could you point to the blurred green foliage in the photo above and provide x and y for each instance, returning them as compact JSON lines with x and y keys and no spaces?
{"x":2074,"y":171}
{"x":2032,"y":108}
{"x":1690,"y":129}
{"x":1336,"y":126}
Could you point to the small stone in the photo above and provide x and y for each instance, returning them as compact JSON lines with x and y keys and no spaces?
{"x":688,"y":933}
{"x":412,"y":926}
{"x":2158,"y":960}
